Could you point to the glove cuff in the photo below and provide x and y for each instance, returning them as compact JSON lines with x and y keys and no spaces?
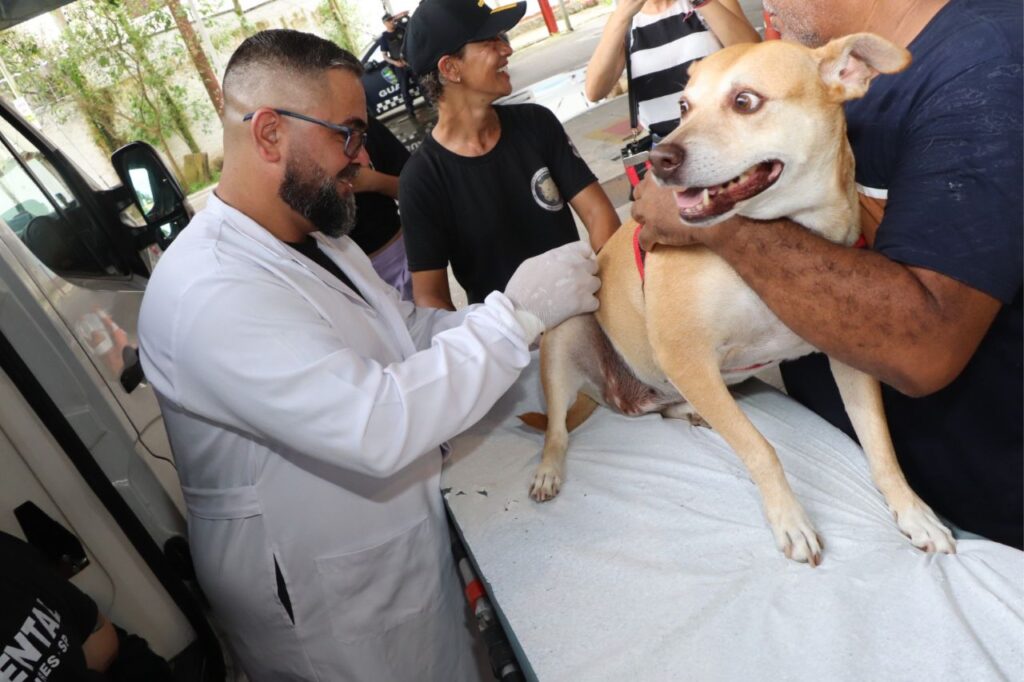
{"x":531,"y":324}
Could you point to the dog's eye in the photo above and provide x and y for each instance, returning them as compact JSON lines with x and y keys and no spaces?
{"x":684,"y":107}
{"x":746,"y":102}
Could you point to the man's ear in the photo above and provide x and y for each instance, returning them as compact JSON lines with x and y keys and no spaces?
{"x":847,"y":65}
{"x":265,"y":132}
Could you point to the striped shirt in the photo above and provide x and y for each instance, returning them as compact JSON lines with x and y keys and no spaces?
{"x":661,"y":48}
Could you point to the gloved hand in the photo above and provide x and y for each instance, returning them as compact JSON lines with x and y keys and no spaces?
{"x":557,"y":284}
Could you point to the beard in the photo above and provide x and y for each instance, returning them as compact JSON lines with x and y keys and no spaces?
{"x":314,"y":195}
{"x":797,"y":25}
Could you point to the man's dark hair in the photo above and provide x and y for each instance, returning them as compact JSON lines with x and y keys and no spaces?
{"x":302,"y":53}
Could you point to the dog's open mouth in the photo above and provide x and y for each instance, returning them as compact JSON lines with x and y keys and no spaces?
{"x":700,"y":203}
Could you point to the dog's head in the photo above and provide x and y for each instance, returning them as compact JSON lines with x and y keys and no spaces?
{"x":762,"y":132}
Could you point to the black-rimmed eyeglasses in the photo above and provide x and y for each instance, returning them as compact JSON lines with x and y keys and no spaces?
{"x":355,"y":138}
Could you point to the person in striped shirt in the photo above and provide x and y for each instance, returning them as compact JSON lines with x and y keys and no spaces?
{"x":664,"y":37}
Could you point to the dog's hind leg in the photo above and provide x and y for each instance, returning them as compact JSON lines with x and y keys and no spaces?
{"x":862,"y":398}
{"x":565,"y":353}
{"x":695,"y":373}
{"x":684,"y":410}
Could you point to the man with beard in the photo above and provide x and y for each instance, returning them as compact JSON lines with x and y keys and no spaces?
{"x":307,"y":405}
{"x":933,"y":308}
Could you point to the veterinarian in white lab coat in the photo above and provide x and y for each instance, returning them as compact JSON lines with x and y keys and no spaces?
{"x":306,"y":403}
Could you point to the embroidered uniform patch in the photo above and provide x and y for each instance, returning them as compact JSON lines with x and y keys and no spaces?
{"x":545,"y":191}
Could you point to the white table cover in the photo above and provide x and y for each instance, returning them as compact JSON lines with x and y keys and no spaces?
{"x":655,"y":561}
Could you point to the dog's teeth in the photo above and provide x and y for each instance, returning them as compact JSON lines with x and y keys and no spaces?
{"x":706,"y":200}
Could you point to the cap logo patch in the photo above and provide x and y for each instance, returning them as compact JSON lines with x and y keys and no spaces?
{"x":545,"y":191}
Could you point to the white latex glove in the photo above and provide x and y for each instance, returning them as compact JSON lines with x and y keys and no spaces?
{"x":557,"y":284}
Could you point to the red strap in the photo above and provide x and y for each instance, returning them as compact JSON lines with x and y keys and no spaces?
{"x":638,"y":253}
{"x":474,"y":591}
{"x":861,"y":243}
{"x":633,"y":175}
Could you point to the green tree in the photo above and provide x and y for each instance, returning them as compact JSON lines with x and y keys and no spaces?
{"x":122,"y":57}
{"x":335,"y":17}
{"x":46,"y":77}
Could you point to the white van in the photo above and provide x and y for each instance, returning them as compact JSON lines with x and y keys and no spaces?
{"x":82,"y":444}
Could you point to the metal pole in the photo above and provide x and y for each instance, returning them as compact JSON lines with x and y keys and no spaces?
{"x":205,"y":37}
{"x":549,"y":16}
{"x":565,"y":15}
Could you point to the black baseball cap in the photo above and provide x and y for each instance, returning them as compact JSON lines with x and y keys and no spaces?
{"x":440,"y":27}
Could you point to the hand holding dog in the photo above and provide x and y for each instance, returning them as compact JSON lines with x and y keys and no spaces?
{"x":656,"y":210}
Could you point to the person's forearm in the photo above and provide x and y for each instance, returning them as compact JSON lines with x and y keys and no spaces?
{"x":370,"y":180}
{"x":431,"y":300}
{"x":386,"y":184}
{"x":597,"y":214}
{"x":101,"y":646}
{"x":856,"y":305}
{"x":609,"y":58}
{"x":601,"y":230}
{"x":728,"y":27}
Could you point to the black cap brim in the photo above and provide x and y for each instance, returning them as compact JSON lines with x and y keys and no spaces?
{"x":438,"y":28}
{"x":502,"y":19}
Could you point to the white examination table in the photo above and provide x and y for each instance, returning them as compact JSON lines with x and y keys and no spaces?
{"x":655,"y":561}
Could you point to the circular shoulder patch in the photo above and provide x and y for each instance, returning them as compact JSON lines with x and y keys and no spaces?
{"x":545,"y":191}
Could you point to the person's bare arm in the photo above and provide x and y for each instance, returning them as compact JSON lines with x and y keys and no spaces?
{"x":100,"y":648}
{"x":609,"y":58}
{"x":597,"y":213}
{"x":430,"y":289}
{"x":726,"y":20}
{"x":370,"y":180}
{"x":912,"y":328}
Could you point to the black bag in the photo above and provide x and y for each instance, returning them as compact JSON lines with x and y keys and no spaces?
{"x":637,"y":151}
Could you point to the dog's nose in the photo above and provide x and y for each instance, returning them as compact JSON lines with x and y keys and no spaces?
{"x":666,"y":158}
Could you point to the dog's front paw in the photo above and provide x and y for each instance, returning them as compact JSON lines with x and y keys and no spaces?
{"x":546,"y":483}
{"x":795,"y":536}
{"x":919,"y":523}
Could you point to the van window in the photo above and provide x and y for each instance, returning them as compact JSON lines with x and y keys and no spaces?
{"x":46,"y":215}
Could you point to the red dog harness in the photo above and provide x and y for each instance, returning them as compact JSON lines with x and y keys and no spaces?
{"x":639,"y":254}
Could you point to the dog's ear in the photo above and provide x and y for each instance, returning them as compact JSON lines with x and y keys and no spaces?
{"x":847,"y":65}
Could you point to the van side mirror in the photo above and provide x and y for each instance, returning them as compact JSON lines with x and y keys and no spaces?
{"x":154,"y":190}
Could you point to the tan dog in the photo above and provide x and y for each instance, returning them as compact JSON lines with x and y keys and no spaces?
{"x":763,"y":136}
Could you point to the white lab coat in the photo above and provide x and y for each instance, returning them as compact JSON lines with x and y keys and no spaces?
{"x":305,"y":426}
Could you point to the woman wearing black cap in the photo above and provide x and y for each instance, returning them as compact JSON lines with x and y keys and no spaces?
{"x":491,"y":185}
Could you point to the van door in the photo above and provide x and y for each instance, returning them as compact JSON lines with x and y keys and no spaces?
{"x":75,"y":259}
{"x":65,"y":448}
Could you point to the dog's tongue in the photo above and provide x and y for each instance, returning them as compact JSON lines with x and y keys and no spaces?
{"x":690,"y":197}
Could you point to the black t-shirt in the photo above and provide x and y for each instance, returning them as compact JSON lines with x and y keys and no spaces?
{"x":487,"y":214}
{"x":942,"y":143}
{"x":391,"y":43}
{"x":311,"y":250}
{"x":44,"y":619}
{"x":377,"y":218}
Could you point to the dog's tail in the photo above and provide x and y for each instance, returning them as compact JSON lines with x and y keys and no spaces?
{"x":578,"y":413}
